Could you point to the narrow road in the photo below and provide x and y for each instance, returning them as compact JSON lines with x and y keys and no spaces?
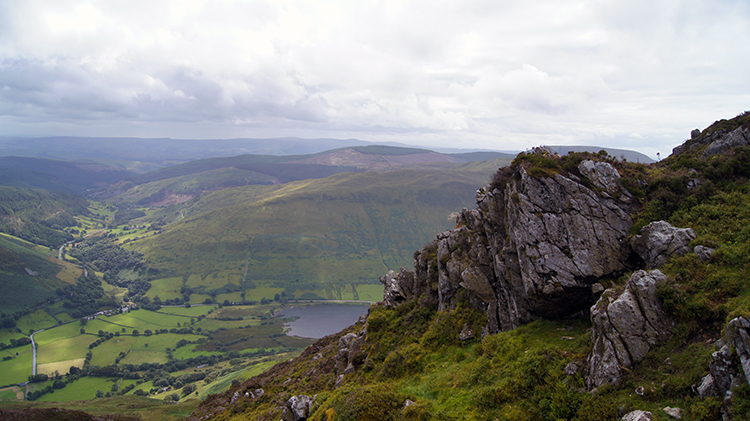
{"x":33,"y":349}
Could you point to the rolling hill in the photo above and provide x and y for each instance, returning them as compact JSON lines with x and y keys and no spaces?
{"x":182,"y":182}
{"x":58,"y":176}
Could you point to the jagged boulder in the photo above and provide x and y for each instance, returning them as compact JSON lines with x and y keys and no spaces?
{"x":738,"y":137}
{"x":297,"y":408}
{"x":625,"y":327}
{"x":350,"y":354}
{"x":604,"y":176}
{"x":660,"y":241}
{"x":399,"y":287}
{"x":724,"y":370}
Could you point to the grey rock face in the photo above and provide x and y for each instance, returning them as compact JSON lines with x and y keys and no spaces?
{"x":350,"y":353}
{"x":737,"y":137}
{"x":530,"y":250}
{"x":398,"y":287}
{"x":724,"y":372}
{"x":660,"y":241}
{"x":738,"y":336}
{"x":625,"y":327}
{"x":297,"y":408}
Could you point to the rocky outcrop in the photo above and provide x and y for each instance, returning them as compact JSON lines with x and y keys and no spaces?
{"x":297,"y":408}
{"x":717,"y":142}
{"x":660,"y":241}
{"x":737,"y":137}
{"x":730,"y":365}
{"x":531,"y":249}
{"x":399,"y":287}
{"x":625,"y":327}
{"x":350,"y":353}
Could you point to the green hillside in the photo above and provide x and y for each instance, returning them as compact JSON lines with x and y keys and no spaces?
{"x":38,"y":215}
{"x":29,"y":274}
{"x":311,"y":235}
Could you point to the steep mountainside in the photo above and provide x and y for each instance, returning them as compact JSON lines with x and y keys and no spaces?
{"x":30,"y":275}
{"x":314,"y":236}
{"x":581,"y":287}
{"x":38,"y":215}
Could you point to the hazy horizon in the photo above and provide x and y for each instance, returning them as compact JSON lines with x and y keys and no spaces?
{"x":477,"y":75}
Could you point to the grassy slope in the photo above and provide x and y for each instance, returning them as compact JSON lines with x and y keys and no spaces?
{"x":312,"y":234}
{"x":21,"y":290}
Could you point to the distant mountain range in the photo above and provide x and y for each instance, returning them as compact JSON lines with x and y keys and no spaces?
{"x":165,"y":151}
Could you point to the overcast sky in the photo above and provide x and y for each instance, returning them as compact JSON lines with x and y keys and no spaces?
{"x":495,"y":74}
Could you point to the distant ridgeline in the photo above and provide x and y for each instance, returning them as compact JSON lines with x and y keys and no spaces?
{"x":580,"y":287}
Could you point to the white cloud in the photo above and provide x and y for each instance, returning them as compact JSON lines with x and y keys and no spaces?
{"x":506,"y":75}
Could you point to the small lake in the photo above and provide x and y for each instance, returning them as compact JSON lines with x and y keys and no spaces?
{"x":319,"y":320}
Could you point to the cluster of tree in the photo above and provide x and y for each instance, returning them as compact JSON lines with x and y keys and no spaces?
{"x":100,"y":341}
{"x":15,"y":342}
{"x":144,"y":301}
{"x":85,"y":297}
{"x":104,"y":255}
{"x":7,"y":320}
{"x":123,"y":216}
{"x":39,"y":216}
{"x":59,"y":383}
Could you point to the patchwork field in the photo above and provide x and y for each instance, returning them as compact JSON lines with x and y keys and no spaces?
{"x":83,"y":388}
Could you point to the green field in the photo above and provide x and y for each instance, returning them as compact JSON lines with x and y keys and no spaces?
{"x":18,"y":369}
{"x":39,"y":319}
{"x":63,"y":349}
{"x":8,"y":394}
{"x":82,"y":389}
{"x":144,"y":319}
{"x":193,"y":311}
{"x":259,"y":293}
{"x":165,"y":289}
{"x":370,"y":292}
{"x":7,"y":334}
